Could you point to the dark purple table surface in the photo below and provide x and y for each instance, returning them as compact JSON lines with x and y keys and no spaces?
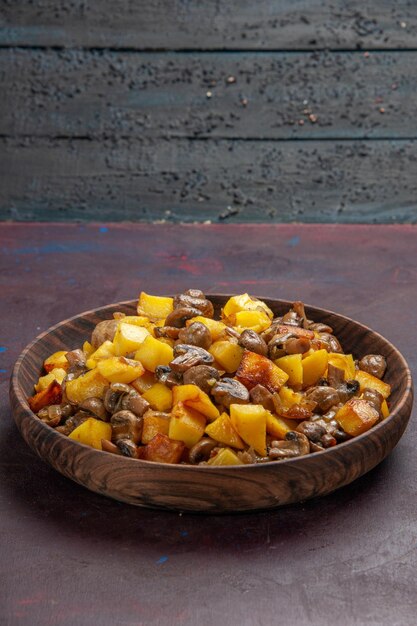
{"x":69,"y":556}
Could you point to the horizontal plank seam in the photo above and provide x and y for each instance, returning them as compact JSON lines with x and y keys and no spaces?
{"x":209,"y":138}
{"x":133,"y":50}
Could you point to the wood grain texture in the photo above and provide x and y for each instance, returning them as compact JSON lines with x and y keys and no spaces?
{"x":211,"y":25}
{"x":71,"y":179}
{"x":103,"y":94}
{"x":218,"y":490}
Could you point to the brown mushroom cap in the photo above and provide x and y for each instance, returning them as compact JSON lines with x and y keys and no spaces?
{"x":187,"y":356}
{"x":196,"y":335}
{"x":179,"y":316}
{"x":201,"y":450}
{"x":374,"y":364}
{"x":96,"y":407}
{"x":229,"y":391}
{"x":126,"y":425}
{"x":324,"y":396}
{"x":295,"y":444}
{"x":203,"y":376}
{"x":104,"y":331}
{"x":250,"y":340}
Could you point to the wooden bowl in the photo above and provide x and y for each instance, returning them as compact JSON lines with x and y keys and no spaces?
{"x":211,"y":489}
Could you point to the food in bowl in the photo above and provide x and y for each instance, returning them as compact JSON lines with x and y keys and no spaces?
{"x":173,"y":384}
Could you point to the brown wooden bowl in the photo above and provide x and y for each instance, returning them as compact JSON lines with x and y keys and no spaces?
{"x":211,"y":489}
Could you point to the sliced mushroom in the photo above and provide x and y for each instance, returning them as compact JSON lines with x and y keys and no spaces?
{"x":312,"y":430}
{"x":229,"y":391}
{"x":134,"y":402}
{"x":320,"y":328}
{"x":374,"y":398}
{"x":104,"y":331}
{"x":196,"y":335}
{"x":108,"y":446}
{"x":295,"y":444}
{"x":276,"y":345}
{"x":199,"y":302}
{"x":335,"y":376}
{"x":374,"y":364}
{"x":347,"y":390}
{"x":201,"y":450}
{"x":76,"y":358}
{"x":250,"y":340}
{"x":179,"y":316}
{"x":170,"y":332}
{"x":51,"y":415}
{"x":126,"y":430}
{"x":128,"y":448}
{"x":164,"y":374}
{"x":72,"y":422}
{"x":203,"y":376}
{"x":110,"y":400}
{"x":331,"y":343}
{"x":96,"y":407}
{"x":261,"y":395}
{"x":187,"y":356}
{"x":325,"y":397}
{"x":292,"y":319}
{"x":298,"y":307}
{"x":297,"y":345}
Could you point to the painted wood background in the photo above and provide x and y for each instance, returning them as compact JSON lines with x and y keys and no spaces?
{"x":223,"y":111}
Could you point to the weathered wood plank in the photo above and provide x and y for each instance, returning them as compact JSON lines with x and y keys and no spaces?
{"x":348,"y":181}
{"x":181,"y":24}
{"x":247,"y":95}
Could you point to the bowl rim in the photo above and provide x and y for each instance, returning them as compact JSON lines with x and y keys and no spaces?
{"x":407,"y":396}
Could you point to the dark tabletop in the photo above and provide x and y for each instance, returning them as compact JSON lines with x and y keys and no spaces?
{"x":73,"y":557}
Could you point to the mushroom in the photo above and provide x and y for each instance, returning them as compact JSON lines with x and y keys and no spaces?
{"x":195,"y":299}
{"x":126,"y":431}
{"x":76,"y":358}
{"x":374,"y":398}
{"x":298,"y":307}
{"x":51,"y":415}
{"x":335,"y":376}
{"x":104,"y":331}
{"x":196,"y":335}
{"x":312,"y":430}
{"x":179,"y":316}
{"x":170,"y":332}
{"x":347,"y":390}
{"x":201,"y":450}
{"x":110,"y":400}
{"x":134,"y":402}
{"x":229,"y":391}
{"x":72,"y":422}
{"x":261,"y":395}
{"x":250,"y":340}
{"x":295,"y":444}
{"x":164,"y":374}
{"x":325,"y":397}
{"x":292,"y":319}
{"x":297,"y":345}
{"x":96,"y":407}
{"x":276,"y":345}
{"x":187,"y":356}
{"x":108,"y":446}
{"x":332,"y":344}
{"x":320,"y":328}
{"x":374,"y":364}
{"x":203,"y":376}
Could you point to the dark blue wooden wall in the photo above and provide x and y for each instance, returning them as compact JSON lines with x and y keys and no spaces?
{"x":195,"y":110}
